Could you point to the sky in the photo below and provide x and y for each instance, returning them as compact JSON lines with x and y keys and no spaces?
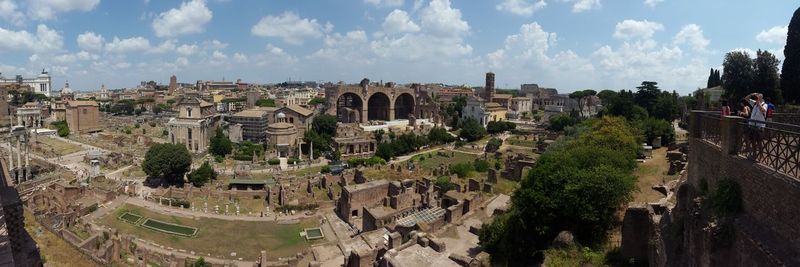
{"x":565,"y":44}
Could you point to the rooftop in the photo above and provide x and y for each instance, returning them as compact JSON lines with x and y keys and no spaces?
{"x":367,"y":185}
{"x":251,"y":113}
{"x":417,"y":255}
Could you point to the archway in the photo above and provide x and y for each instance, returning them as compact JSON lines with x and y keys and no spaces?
{"x":348,"y":105}
{"x":378,"y":107}
{"x":403,"y":106}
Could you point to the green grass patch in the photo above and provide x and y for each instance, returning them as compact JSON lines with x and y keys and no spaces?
{"x":130,"y":218}
{"x":169,"y":228}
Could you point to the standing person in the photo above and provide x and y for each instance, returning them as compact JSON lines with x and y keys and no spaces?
{"x":770,"y":108}
{"x":744,"y":109}
{"x":759,"y":111}
{"x":726,"y":110}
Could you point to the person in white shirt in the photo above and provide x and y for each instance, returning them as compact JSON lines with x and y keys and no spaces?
{"x":759,"y":110}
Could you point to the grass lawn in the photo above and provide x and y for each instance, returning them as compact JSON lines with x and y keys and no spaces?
{"x":651,"y":173}
{"x":219,"y":237}
{"x":505,"y":186}
{"x":430,"y":163}
{"x":308,"y":171}
{"x":519,"y":141}
{"x":169,"y":227}
{"x":55,"y":251}
{"x":60,"y":148}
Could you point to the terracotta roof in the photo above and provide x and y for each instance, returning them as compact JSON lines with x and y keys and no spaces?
{"x":252,"y":113}
{"x":503,"y":96}
{"x":78,"y":103}
{"x":301,"y":110}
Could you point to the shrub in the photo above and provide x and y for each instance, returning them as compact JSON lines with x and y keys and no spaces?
{"x":481,"y":165}
{"x":325,"y":169}
{"x":444,"y":183}
{"x":273,"y":161}
{"x":493,"y":144}
{"x":462,"y":169}
{"x":726,"y":200}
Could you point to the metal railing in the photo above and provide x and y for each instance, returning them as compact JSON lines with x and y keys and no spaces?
{"x":709,"y":127}
{"x":775,"y":145}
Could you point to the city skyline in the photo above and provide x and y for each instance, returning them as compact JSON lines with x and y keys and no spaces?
{"x":568,"y":45}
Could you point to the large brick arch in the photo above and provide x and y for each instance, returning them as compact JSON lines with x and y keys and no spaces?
{"x":404,"y":105}
{"x":378,"y":106}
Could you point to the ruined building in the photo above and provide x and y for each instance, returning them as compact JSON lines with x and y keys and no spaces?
{"x":17,"y":248}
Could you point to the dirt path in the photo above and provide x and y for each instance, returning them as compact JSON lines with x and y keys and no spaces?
{"x":651,"y":172}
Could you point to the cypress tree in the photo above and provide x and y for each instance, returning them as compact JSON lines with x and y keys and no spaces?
{"x":790,"y":76}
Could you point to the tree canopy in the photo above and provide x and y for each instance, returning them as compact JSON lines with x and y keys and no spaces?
{"x":577,"y":186}
{"x":220,"y":144}
{"x":472,"y":130}
{"x":790,"y":76}
{"x":714,"y":79}
{"x":167,"y":163}
{"x":202,"y":175}
{"x":266,"y":102}
{"x":766,"y":76}
{"x":738,"y":76}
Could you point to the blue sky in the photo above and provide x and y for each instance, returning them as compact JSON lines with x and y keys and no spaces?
{"x":566,"y":44}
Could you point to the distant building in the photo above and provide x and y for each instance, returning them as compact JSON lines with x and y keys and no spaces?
{"x":252,"y":98}
{"x":283,"y":137}
{"x":482,"y":111}
{"x":195,"y":124}
{"x":4,"y":107}
{"x":298,"y":116}
{"x":83,"y":116}
{"x":173,"y":84}
{"x":489,"y":89}
{"x":518,"y":106}
{"x":253,"y":124}
{"x":41,"y":84}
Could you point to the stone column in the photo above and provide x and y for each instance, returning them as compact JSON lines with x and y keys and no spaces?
{"x":19,"y":155}
{"x":27,"y":160}
{"x":311,"y":151}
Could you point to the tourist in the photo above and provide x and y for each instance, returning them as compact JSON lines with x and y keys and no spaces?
{"x":770,"y":108}
{"x":744,"y":109}
{"x":758,"y":113}
{"x":726,"y":110}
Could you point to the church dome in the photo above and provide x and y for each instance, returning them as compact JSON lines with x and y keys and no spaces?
{"x":281,"y":115}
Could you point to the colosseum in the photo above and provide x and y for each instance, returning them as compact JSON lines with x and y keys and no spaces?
{"x":359,"y":103}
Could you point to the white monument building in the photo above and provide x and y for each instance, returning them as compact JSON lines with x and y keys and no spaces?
{"x":40,"y":84}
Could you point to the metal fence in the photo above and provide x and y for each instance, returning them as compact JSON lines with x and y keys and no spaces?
{"x":776,"y":145}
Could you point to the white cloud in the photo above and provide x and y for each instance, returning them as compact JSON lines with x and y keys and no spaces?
{"x":289,"y":27}
{"x":9,"y":12}
{"x":521,"y":7}
{"x":133,"y":44}
{"x":585,"y":5}
{"x":187,"y":49}
{"x":775,"y":35}
{"x":398,"y":21}
{"x":440,"y":19}
{"x":652,"y":3}
{"x":385,"y":3}
{"x":692,"y":35}
{"x":48,"y":9}
{"x":182,"y":62}
{"x":45,"y":40}
{"x":190,"y":18}
{"x":240,"y":58}
{"x":166,"y":46}
{"x":631,"y":29}
{"x":90,"y":41}
{"x":418,"y":4}
{"x":214,"y":44}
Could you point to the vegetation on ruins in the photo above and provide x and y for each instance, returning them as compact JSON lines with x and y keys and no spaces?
{"x":439,"y":135}
{"x":472,"y":130}
{"x":462,"y":170}
{"x":166,"y":164}
{"x":273,"y":161}
{"x":200,"y":262}
{"x":560,"y":122}
{"x":577,"y":185}
{"x":316,"y":101}
{"x":495,"y":127}
{"x":123,"y":107}
{"x":726,"y":199}
{"x":323,"y":129}
{"x":220,"y":144}
{"x":400,"y":145}
{"x":356,"y":162}
{"x":265,"y":102}
{"x":493,"y":144}
{"x":443,"y":182}
{"x":790,"y":76}
{"x":202,"y":175}
{"x":61,"y":127}
{"x":453,"y":110}
{"x":247,"y":150}
{"x":20,"y":98}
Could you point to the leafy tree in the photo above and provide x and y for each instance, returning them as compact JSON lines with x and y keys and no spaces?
{"x":316,"y":101}
{"x":471,"y":130}
{"x":455,"y":108}
{"x":439,"y":135}
{"x":577,"y":186}
{"x":665,"y":107}
{"x":462,"y":169}
{"x":61,"y":128}
{"x":167,"y":163}
{"x":606,"y":95}
{"x":325,"y":169}
{"x":560,"y":122}
{"x":443,"y":182}
{"x":124,"y":107}
{"x":322,"y":144}
{"x":200,"y":262}
{"x":385,"y":151}
{"x":495,"y":127}
{"x":247,"y":150}
{"x":652,"y":128}
{"x":738,"y":77}
{"x":790,"y":76}
{"x":766,"y":77}
{"x":647,"y":93}
{"x":202,"y":175}
{"x":493,"y":144}
{"x":324,"y":124}
{"x":378,"y":135}
{"x":266,"y":102}
{"x":582,"y":98}
{"x":481,"y":165}
{"x":220,"y":144}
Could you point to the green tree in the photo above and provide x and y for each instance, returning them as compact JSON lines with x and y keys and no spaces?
{"x":166,"y":163}
{"x":378,"y":135}
{"x":439,"y":135}
{"x":385,"y":151}
{"x":200,"y":262}
{"x":738,"y":77}
{"x":713,"y":79}
{"x":202,"y":175}
{"x":493,"y":144}
{"x":61,"y":128}
{"x":767,"y":78}
{"x":560,"y":122}
{"x":443,"y":182}
{"x":647,"y":94}
{"x":265,"y":102}
{"x":471,"y":130}
{"x":316,"y":101}
{"x":653,"y":127}
{"x":790,"y":76}
{"x":220,"y":144}
{"x":325,"y":124}
{"x":665,"y":107}
{"x":462,"y":169}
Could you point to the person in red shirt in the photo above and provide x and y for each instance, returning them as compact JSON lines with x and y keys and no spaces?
{"x":726,"y":110}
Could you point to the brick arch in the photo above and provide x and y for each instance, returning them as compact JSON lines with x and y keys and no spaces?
{"x":404,"y":105}
{"x":378,"y":106}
